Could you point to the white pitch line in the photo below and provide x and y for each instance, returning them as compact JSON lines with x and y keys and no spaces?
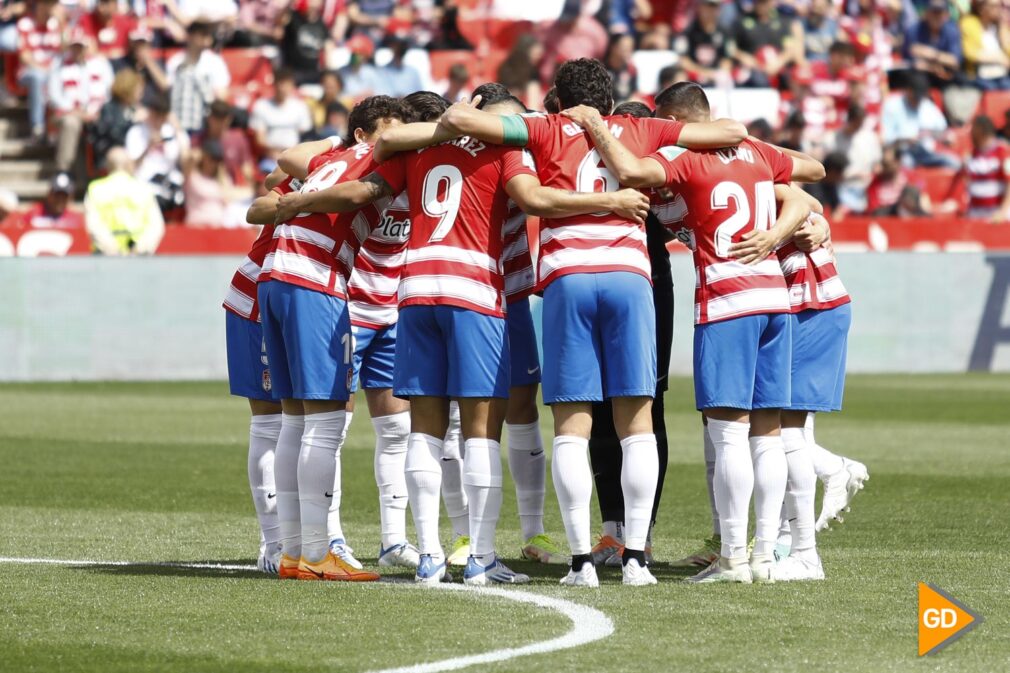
{"x":588,"y":624}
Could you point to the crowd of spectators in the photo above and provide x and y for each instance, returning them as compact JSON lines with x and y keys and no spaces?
{"x":877,"y":89}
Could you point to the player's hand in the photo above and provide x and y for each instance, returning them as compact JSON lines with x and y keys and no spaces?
{"x":583,"y":115}
{"x":754,"y":247}
{"x":811,"y":235}
{"x":288,"y":206}
{"x":631,"y":204}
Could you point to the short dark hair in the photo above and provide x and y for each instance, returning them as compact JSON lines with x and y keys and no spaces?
{"x":836,"y":161}
{"x":551,"y":103}
{"x":491,"y":93}
{"x":200,"y":28}
{"x":843,"y":48}
{"x":367,"y":114}
{"x":423,"y":106}
{"x":984,"y":124}
{"x":668,"y":74}
{"x":634,"y":108}
{"x":335,"y":107}
{"x":221,"y":110}
{"x":284,"y":74}
{"x":517,"y":105}
{"x":584,"y":81}
{"x":160,"y":104}
{"x":684,"y":100}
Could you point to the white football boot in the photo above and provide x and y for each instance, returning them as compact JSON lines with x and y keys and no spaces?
{"x":724,"y":570}
{"x":798,"y":569}
{"x":634,"y":575}
{"x":761,"y":566}
{"x":404,"y":555}
{"x":586,"y":577}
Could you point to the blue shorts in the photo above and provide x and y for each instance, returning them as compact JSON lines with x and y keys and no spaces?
{"x":819,"y":344}
{"x":522,"y":344}
{"x":743,"y":363}
{"x":248,"y":373}
{"x":447,"y":351}
{"x":374,"y":355}
{"x":599,"y":337}
{"x":309,"y":343}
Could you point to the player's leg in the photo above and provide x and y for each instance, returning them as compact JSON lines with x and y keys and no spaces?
{"x":456,"y":506}
{"x":526,"y":458}
{"x":772,"y":392}
{"x":627,"y":328}
{"x":663,"y":301}
{"x":725,"y":360}
{"x":421,"y":375}
{"x":249,"y":377}
{"x":572,"y":381}
{"x":802,"y":561}
{"x":375,"y":354}
{"x":708,"y":552}
{"x":605,"y":457}
{"x":478,"y":378}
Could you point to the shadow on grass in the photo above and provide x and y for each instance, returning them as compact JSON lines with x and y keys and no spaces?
{"x":241,"y":568}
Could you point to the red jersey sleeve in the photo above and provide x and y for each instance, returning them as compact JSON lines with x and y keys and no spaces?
{"x":517,"y":162}
{"x":285,"y":187}
{"x":320,"y":159}
{"x":539,"y":127}
{"x":394,"y":172}
{"x":781,"y":165}
{"x":661,"y":132}
{"x":675,"y":161}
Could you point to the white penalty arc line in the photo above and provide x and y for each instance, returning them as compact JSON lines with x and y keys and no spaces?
{"x":588,"y":624}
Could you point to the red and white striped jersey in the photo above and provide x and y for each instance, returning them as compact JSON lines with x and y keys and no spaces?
{"x":812,"y":278}
{"x":727,"y":193}
{"x":988,"y":172}
{"x":517,"y":258}
{"x":43,"y":42}
{"x":566,"y":159}
{"x":241,"y":298}
{"x":80,"y":87}
{"x":375,"y":280}
{"x":458,"y":204}
{"x":317,"y":250}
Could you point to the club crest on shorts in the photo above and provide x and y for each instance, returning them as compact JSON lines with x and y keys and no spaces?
{"x":350,"y":378}
{"x":267,"y":383}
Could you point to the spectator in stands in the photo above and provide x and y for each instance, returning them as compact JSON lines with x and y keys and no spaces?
{"x":829,"y":190}
{"x":259,"y":23}
{"x":933,"y":45}
{"x":1004,"y":132}
{"x":238,"y":155}
{"x":860,"y":145}
{"x":884,"y":190}
{"x":361,"y":77}
{"x":157,"y":147}
{"x":624,"y":14}
{"x":79,"y":86}
{"x":334,"y":123}
{"x":704,"y":47}
{"x":459,"y":83}
{"x":54,"y":212}
{"x":765,"y":44}
{"x":379,"y":18}
{"x":279,"y":121}
{"x":397,"y":78}
{"x":791,"y":135}
{"x":576,"y":34}
{"x":39,"y":42}
{"x":823,"y":89}
{"x":10,"y":216}
{"x":306,"y":37}
{"x":188,"y":12}
{"x":121,"y":213}
{"x":618,"y":63}
{"x":519,"y":72}
{"x":197,"y":77}
{"x":913,"y":123}
{"x":820,"y":30}
{"x":141,"y":59}
{"x":987,"y":171}
{"x":668,"y":18}
{"x":761,"y":130}
{"x":333,"y":90}
{"x":209,"y":190}
{"x":986,"y":38}
{"x":109,"y":27}
{"x":119,"y":114}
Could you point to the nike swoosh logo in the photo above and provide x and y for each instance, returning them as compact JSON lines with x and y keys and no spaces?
{"x":536,"y":453}
{"x":271,"y":495}
{"x":328,"y":494}
{"x":317,"y":573}
{"x":533,"y":371}
{"x":399,"y":497}
{"x":448,"y":460}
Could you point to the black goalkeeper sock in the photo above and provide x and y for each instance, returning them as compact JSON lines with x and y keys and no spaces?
{"x":579,"y":560}
{"x":636,"y":554}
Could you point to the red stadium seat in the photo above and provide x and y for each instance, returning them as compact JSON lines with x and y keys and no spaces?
{"x":935,"y":182}
{"x":248,"y":65}
{"x":995,"y":105}
{"x":441,"y":61}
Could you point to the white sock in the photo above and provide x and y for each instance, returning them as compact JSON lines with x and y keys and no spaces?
{"x":825,"y":462}
{"x":482,"y":479}
{"x":710,"y":477}
{"x":424,"y":478}
{"x":639,"y":473}
{"x":573,"y":482}
{"x":289,"y":446}
{"x":785,"y":525}
{"x":263,"y":433}
{"x":319,"y":483}
{"x":800,"y":490}
{"x":348,"y":416}
{"x":770,"y":475}
{"x":334,"y":529}
{"x":528,"y":466}
{"x":390,"y":462}
{"x":733,"y":484}
{"x":456,"y":506}
{"x":614,"y":529}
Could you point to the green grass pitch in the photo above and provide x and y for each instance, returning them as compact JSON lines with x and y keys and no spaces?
{"x":156,"y":472}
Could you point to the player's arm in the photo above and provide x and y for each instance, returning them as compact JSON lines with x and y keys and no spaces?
{"x":409,"y":137}
{"x":814,"y":233}
{"x":295,"y":160}
{"x":463,"y":119}
{"x":630,"y":171}
{"x":712,"y":135}
{"x":343,"y":198}
{"x":263,"y":209}
{"x":535,"y":199}
{"x":805,"y":167}
{"x":756,"y":245}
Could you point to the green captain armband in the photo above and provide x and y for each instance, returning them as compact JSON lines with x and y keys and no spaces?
{"x":514,"y":131}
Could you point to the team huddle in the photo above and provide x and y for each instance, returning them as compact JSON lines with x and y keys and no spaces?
{"x":397,"y":260}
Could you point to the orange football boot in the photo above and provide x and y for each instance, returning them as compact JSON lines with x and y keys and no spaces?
{"x":333,"y":569}
{"x":288,"y":568}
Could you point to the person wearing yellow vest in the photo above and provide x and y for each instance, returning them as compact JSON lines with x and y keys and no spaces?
{"x":121,"y":213}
